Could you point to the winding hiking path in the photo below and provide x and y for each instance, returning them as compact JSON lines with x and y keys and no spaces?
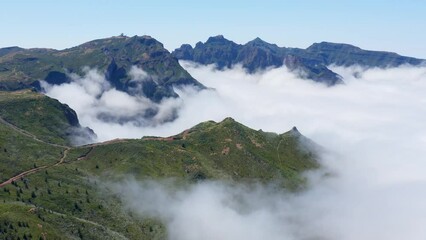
{"x":59,"y":162}
{"x":34,"y":170}
{"x":115,"y":234}
{"x":23,"y":174}
{"x":28,"y":134}
{"x":21,"y":131}
{"x":34,"y":137}
{"x":64,"y":155}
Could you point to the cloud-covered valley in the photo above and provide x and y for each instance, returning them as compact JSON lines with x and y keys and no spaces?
{"x":374,"y":127}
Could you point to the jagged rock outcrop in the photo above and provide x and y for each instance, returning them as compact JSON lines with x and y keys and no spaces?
{"x":310,"y":63}
{"x":115,"y":56}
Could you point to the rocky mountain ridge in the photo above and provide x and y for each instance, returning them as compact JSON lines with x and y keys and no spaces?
{"x":115,"y":56}
{"x":312,"y":62}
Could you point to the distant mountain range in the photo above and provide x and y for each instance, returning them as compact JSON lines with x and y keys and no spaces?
{"x":313,"y":61}
{"x":115,"y":56}
{"x":50,"y":187}
{"x":23,"y":68}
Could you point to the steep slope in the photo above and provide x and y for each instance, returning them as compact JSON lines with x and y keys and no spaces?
{"x":64,"y":200}
{"x":20,"y":152}
{"x":42,"y":118}
{"x":217,"y":50}
{"x":225,"y":150}
{"x":313,"y":61}
{"x":260,"y":54}
{"x":254,"y":55}
{"x":115,"y":57}
{"x":45,"y":200}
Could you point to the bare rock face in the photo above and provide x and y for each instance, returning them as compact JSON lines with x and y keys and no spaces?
{"x":292,"y":62}
{"x":254,"y":55}
{"x":317,"y":72}
{"x":310,"y":63}
{"x":115,"y":56}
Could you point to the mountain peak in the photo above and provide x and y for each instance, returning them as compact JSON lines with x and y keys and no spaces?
{"x":295,"y":131}
{"x":121,"y":41}
{"x":114,"y":56}
{"x":258,"y":54}
{"x":7,"y":50}
{"x":257,"y":39}
{"x":258,"y":42}
{"x":332,"y":46}
{"x":228,"y":120}
{"x":217,"y":39}
{"x":229,"y":123}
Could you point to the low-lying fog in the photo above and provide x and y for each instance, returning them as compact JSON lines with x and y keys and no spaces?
{"x":374,"y":125}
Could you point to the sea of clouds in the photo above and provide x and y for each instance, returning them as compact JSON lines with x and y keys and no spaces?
{"x":374,"y":125}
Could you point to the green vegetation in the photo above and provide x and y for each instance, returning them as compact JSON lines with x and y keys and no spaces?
{"x":225,"y":150}
{"x":60,"y":197}
{"x":19,"y":152}
{"x":115,"y":56}
{"x":40,"y":116}
{"x":17,"y":222}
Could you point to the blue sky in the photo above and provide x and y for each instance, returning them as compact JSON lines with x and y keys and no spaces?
{"x":376,"y":24}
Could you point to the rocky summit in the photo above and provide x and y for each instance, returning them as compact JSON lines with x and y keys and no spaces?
{"x":310,"y":63}
{"x":114,"y":57}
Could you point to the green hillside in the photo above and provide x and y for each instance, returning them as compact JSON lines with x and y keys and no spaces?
{"x":226,"y":150}
{"x":41,"y":117}
{"x":114,"y":56}
{"x":58,"y":195}
{"x":20,"y":152}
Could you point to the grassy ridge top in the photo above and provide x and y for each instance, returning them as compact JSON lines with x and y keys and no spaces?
{"x":63,"y":200}
{"x":40,"y":116}
{"x":225,"y":150}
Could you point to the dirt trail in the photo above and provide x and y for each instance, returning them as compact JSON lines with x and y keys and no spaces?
{"x":167,"y":139}
{"x":117,"y":140}
{"x":33,"y":170}
{"x":116,"y":235}
{"x":28,"y":134}
{"x":35,"y":208}
{"x":23,"y":174}
{"x":64,"y":155}
{"x":84,"y":156}
{"x":59,"y":162}
{"x":21,"y":131}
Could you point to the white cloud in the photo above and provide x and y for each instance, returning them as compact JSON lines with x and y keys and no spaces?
{"x":374,"y":124}
{"x":211,"y":210}
{"x":138,"y":74}
{"x":109,"y":112}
